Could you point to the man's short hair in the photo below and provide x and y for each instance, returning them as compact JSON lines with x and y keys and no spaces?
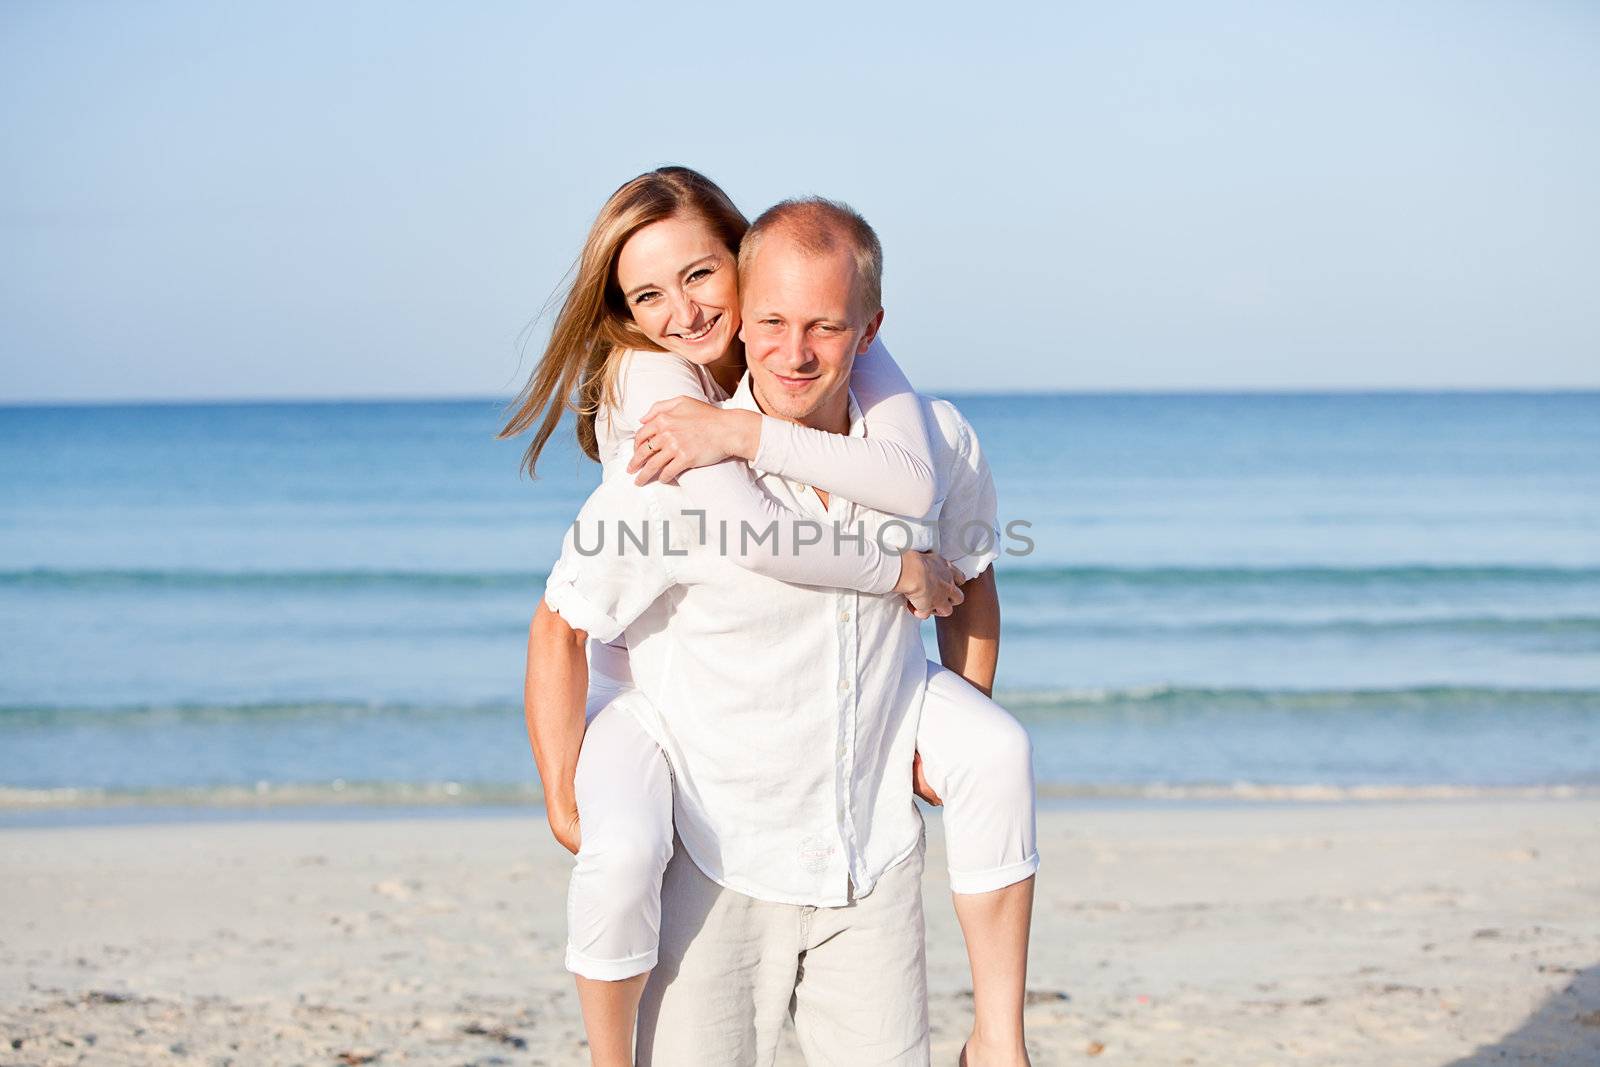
{"x":820,"y":226}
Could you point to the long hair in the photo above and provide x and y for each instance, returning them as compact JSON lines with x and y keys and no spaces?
{"x":578,"y":368}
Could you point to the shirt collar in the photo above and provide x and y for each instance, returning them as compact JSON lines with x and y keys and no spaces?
{"x":744,"y":397}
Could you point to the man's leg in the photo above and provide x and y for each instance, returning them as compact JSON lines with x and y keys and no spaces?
{"x":862,"y":996}
{"x":722,"y":983}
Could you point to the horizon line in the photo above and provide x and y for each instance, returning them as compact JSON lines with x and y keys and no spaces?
{"x":462,"y":398}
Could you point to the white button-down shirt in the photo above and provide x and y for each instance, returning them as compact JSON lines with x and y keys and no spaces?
{"x":788,"y":713}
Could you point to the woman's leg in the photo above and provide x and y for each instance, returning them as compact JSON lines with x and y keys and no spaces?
{"x":624,"y":791}
{"x":980,"y":762}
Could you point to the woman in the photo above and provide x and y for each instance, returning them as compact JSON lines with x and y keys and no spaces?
{"x":653,"y":315}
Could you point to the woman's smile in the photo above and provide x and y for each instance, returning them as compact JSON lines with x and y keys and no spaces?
{"x":702,"y":333}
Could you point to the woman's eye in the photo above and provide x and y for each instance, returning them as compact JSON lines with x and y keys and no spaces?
{"x":645,"y":297}
{"x":703,"y":272}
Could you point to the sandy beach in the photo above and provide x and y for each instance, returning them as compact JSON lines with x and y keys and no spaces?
{"x":1423,"y":933}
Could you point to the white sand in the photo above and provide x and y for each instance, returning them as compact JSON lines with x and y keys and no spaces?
{"x":1431,"y":933}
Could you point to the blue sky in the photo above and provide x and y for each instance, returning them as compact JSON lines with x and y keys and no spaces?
{"x":373,"y":199}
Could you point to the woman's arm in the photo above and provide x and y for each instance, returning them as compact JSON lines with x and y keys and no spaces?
{"x":553,"y":695}
{"x":727,"y":493}
{"x":890,"y":469}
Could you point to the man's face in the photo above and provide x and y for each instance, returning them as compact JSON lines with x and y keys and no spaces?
{"x":802,"y":332}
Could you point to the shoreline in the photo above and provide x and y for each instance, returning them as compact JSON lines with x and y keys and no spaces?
{"x":22,"y":807}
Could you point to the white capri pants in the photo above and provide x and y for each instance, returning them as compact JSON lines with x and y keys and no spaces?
{"x":975,"y":756}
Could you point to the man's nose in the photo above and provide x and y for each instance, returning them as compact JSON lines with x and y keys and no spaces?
{"x":793,"y":350}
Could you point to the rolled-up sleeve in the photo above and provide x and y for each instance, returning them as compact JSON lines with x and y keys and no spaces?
{"x":969,"y":534}
{"x":613,"y":565}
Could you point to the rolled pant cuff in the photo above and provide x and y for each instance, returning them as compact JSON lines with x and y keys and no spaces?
{"x":609,"y":970}
{"x":968,"y":882}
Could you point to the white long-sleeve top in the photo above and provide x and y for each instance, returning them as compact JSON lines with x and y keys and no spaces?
{"x":889,"y":469}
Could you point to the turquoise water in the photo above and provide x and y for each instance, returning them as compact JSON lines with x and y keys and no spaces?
{"x":1393,"y":590}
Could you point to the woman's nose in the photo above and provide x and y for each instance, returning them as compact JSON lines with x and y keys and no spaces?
{"x":685,"y":311}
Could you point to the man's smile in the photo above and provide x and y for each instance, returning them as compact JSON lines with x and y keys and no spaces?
{"x":794,"y":383}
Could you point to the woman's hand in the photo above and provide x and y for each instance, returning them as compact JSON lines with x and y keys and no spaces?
{"x":930,"y":585}
{"x":564,"y":825}
{"x":682,"y":432}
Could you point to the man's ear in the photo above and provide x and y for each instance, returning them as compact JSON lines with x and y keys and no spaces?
{"x":869,"y":333}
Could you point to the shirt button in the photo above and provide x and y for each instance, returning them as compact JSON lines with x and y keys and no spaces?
{"x":844,"y":616}
{"x":841,"y":752}
{"x":844,"y":684}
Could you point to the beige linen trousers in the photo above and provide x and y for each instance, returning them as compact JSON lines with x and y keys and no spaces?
{"x":854,"y":978}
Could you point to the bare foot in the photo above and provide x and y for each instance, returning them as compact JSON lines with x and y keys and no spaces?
{"x":992,"y":1057}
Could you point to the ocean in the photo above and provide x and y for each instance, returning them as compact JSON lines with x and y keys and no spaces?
{"x":1227,"y":595}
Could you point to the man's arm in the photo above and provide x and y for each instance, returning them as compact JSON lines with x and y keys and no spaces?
{"x":969,"y":644}
{"x":554,"y":692}
{"x":599,"y":593}
{"x":969,"y":637}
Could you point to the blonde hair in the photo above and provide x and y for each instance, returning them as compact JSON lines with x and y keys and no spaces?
{"x":578,"y":368}
{"x":819,"y":226}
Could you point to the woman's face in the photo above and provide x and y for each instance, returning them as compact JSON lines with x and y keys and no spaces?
{"x":681,"y":285}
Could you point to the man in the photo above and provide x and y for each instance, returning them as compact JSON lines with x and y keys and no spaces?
{"x":788,"y":714}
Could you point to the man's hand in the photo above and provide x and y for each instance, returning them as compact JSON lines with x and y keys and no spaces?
{"x":930,"y":585}
{"x":681,"y":433}
{"x":919,"y":784}
{"x":564,"y":825}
